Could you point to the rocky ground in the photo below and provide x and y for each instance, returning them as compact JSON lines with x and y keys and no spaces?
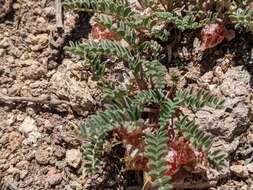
{"x":45,"y":94}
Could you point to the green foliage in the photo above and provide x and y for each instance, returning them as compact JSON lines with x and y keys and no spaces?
{"x":93,"y":51}
{"x":200,"y":140}
{"x":182,"y":23}
{"x":123,"y":30}
{"x":103,"y":47}
{"x":109,"y":7}
{"x":92,"y":151}
{"x":114,"y":116}
{"x":149,"y":96}
{"x":156,"y":73}
{"x":151,"y":48}
{"x":168,"y":109}
{"x":156,"y":150}
{"x":129,"y":110}
{"x":97,"y":66}
{"x":199,"y":99}
{"x":217,"y":158}
{"x":152,"y":102}
{"x":111,"y":92}
{"x":148,"y":3}
{"x":243,"y":18}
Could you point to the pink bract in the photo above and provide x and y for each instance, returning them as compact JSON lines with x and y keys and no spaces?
{"x":212,"y":35}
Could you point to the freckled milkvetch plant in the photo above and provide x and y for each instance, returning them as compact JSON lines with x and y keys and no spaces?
{"x":146,"y":113}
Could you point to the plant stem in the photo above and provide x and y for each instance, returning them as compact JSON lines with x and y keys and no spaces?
{"x":147,"y":183}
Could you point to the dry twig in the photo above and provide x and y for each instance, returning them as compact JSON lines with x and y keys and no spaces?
{"x":40,"y":100}
{"x":197,"y":185}
{"x":59,"y":22}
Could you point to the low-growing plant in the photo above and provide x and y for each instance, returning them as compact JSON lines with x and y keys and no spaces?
{"x":243,"y":18}
{"x":147,"y":113}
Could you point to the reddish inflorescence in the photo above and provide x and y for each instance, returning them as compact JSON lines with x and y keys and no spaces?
{"x":133,"y":137}
{"x":135,"y":144}
{"x":250,"y":5}
{"x":99,"y":32}
{"x":180,"y":154}
{"x":212,"y":35}
{"x":134,"y":159}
